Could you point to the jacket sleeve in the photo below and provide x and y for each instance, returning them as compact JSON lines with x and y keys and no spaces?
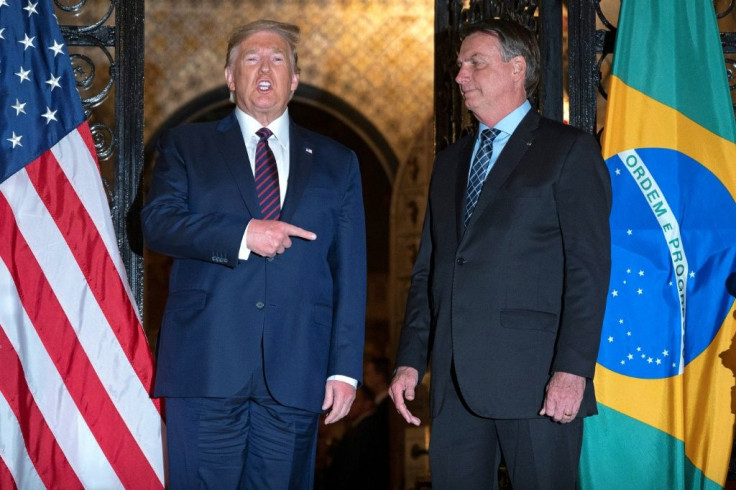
{"x":171,"y":224}
{"x":349,"y":271}
{"x":583,"y":197}
{"x":413,"y":349}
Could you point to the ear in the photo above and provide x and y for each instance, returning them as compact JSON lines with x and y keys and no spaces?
{"x":294,"y":82}
{"x":519,"y":64}
{"x":229,"y":79}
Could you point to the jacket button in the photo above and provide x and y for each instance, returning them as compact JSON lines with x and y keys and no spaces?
{"x":260,"y":305}
{"x":460,"y":261}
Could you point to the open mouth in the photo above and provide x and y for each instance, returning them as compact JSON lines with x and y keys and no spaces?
{"x":264,"y":85}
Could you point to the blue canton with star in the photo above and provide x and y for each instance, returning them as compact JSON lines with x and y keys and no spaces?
{"x":38,"y":98}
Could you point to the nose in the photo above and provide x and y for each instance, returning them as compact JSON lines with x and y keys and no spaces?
{"x":265,"y":66}
{"x":462,"y":76}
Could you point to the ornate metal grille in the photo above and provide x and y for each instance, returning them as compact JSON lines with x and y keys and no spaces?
{"x":452,"y":119}
{"x":728,"y":41}
{"x":587,"y":77}
{"x":105,"y":41}
{"x":588,"y":49}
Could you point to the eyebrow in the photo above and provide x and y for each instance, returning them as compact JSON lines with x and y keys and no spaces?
{"x":270,"y":50}
{"x":471,"y":57}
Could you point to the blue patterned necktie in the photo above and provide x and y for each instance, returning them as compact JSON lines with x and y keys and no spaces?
{"x":267,"y":177}
{"x":478,"y":171}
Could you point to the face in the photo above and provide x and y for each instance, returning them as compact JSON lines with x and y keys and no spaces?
{"x":491,"y":87}
{"x":261,"y":76}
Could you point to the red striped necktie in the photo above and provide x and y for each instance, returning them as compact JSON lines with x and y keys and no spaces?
{"x":267,"y":177}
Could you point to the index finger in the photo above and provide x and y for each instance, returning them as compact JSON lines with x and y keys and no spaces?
{"x":292,"y":230}
{"x":397,"y":395}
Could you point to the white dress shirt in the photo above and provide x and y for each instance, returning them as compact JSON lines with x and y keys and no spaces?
{"x":279,"y":144}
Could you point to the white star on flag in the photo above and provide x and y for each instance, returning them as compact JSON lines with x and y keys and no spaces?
{"x":49,"y":115}
{"x":54,"y":82}
{"x":19,"y":108}
{"x":15,"y":139}
{"x":57,"y":48}
{"x":23,"y":75}
{"x":31,"y":8}
{"x":27,"y":42}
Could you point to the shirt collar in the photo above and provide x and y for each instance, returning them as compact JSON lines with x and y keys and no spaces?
{"x":279,"y":126}
{"x":508,"y":124}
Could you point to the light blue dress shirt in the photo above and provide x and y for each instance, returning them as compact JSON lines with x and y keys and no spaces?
{"x":506,"y":126}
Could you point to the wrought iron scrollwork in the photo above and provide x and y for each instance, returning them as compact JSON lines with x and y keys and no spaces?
{"x":452,"y":118}
{"x":77,"y":6}
{"x":726,"y":10}
{"x":105,"y":40}
{"x":72,"y":6}
{"x":85,"y":73}
{"x":104,"y":140}
{"x":521,"y":11}
{"x":88,"y":39}
{"x":605,"y":40}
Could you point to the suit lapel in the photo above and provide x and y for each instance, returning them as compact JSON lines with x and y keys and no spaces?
{"x":465,"y":153}
{"x":301,"y":160}
{"x":513,"y":152}
{"x":232,"y":150}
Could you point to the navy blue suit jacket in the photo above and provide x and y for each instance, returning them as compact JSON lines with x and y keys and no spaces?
{"x":302,"y":313}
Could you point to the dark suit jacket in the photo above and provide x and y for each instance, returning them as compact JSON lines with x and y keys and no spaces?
{"x":301,"y":313}
{"x":521,"y":292}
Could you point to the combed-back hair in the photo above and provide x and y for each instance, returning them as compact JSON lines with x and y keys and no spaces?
{"x":289,"y":32}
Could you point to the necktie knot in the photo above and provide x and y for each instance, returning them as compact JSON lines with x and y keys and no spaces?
{"x":263,"y":134}
{"x":488,"y":136}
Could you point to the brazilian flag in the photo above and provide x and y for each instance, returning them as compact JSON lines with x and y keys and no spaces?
{"x":665,"y":373}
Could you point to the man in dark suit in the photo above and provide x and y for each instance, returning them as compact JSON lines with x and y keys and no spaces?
{"x":264,"y":325}
{"x":510,"y":283}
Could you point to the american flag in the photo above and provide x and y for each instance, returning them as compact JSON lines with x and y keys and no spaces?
{"x":75,"y":368}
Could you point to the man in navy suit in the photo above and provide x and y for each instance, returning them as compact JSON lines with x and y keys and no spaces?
{"x":510,"y":283}
{"x":264,"y":325}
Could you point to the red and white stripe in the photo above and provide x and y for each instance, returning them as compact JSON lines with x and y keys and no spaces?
{"x":75,"y":410}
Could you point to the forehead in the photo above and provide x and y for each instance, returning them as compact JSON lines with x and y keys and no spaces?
{"x":478,"y":43}
{"x":264,"y":40}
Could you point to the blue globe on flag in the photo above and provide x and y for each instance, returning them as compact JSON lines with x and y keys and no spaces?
{"x":665,"y":299}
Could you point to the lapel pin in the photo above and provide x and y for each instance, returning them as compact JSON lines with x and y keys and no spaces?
{"x":528,"y":143}
{"x":308,"y":150}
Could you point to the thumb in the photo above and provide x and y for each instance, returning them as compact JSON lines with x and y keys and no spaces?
{"x":327,"y":403}
{"x":409,"y":393}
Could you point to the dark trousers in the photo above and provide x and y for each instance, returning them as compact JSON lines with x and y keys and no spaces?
{"x":247,"y":441}
{"x":465,"y":450}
